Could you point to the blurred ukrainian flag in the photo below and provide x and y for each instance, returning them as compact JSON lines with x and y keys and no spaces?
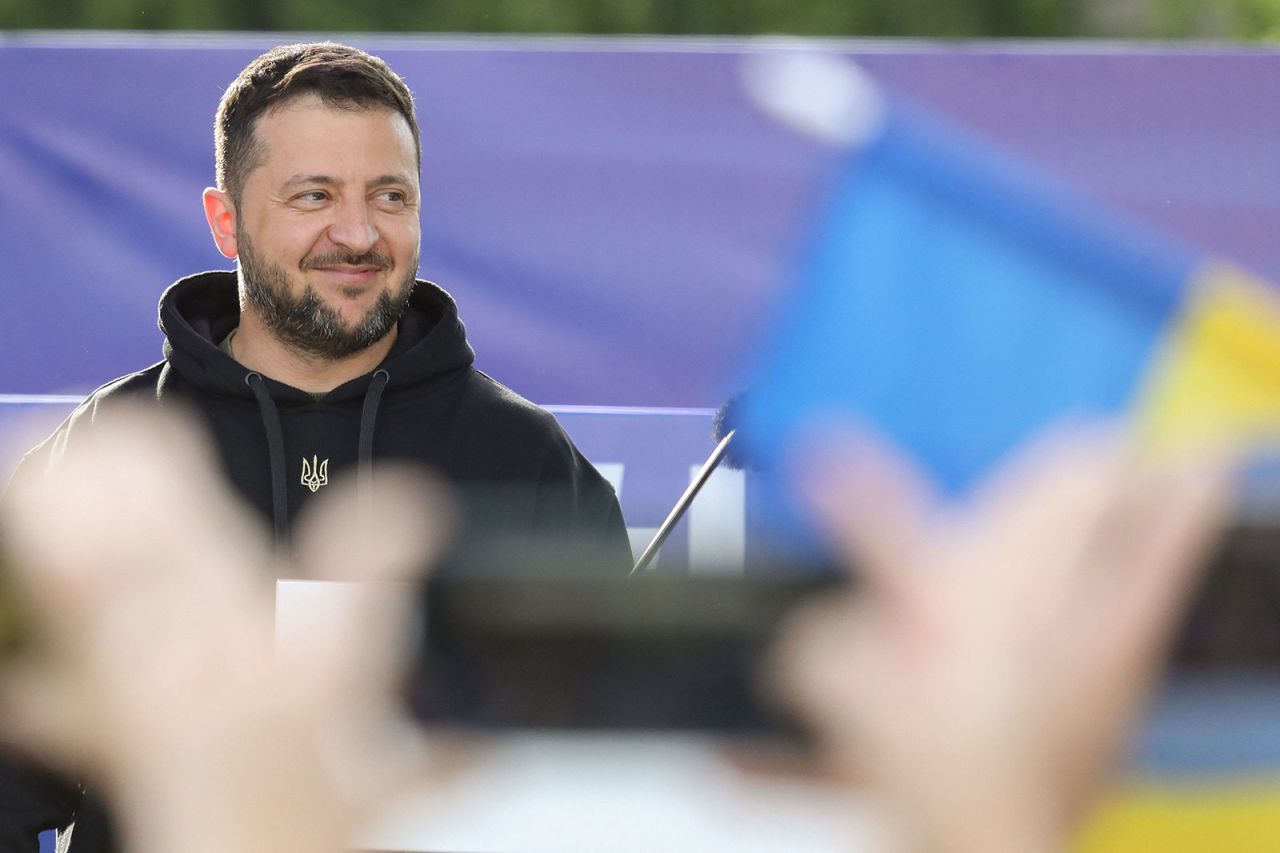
{"x":960,"y":300}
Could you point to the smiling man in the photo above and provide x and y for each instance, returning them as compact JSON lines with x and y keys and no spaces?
{"x":323,"y":351}
{"x":325,"y":226}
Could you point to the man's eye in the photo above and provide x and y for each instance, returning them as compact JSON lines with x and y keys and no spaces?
{"x":312,"y":197}
{"x":394,"y":196}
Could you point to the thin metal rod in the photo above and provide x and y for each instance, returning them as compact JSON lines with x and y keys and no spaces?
{"x":678,"y":511}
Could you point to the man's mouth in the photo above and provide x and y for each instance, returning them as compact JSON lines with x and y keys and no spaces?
{"x":342,"y":262}
{"x":347,"y":274}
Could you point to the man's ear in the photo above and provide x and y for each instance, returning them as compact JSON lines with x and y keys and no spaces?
{"x":220,"y":212}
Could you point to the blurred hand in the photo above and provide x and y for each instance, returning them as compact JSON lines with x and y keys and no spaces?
{"x":985,"y":675}
{"x":153,"y":671}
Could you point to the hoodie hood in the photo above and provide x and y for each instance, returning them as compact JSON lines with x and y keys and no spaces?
{"x":198,"y":312}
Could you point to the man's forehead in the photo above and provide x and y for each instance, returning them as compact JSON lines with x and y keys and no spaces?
{"x":301,"y":127}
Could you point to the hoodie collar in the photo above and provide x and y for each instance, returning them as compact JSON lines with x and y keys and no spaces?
{"x":197,"y":312}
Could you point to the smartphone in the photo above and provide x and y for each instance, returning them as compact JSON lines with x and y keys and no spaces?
{"x":520,"y":650}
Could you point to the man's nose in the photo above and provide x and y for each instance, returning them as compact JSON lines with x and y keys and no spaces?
{"x":353,"y":227}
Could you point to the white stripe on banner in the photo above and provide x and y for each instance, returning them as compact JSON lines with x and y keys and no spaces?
{"x":65,"y":399}
{"x":40,"y":399}
{"x":629,"y":410}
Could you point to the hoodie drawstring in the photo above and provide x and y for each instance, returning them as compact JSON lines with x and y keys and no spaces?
{"x":275,"y":453}
{"x":275,"y":446}
{"x":368,"y":419}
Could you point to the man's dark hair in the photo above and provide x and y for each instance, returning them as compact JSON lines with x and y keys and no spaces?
{"x":341,"y":76}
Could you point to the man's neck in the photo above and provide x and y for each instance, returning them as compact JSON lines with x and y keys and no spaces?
{"x":257,"y":349}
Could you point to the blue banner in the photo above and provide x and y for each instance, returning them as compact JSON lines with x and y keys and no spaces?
{"x":613,"y":216}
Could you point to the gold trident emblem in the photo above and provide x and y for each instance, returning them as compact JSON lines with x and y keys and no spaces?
{"x":315,"y":473}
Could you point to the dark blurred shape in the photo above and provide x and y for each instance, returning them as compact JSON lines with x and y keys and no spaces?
{"x":559,"y":646}
{"x":1234,"y":619}
{"x":726,"y":422}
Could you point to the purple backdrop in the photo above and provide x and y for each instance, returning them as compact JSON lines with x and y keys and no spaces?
{"x":612,"y":215}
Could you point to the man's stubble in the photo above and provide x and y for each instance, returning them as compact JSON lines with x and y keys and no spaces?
{"x":304,"y":322}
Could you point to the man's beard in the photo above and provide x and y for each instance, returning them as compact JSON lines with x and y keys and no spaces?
{"x":304,"y":322}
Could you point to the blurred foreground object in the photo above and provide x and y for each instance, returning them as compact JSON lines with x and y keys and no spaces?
{"x":987,"y":675}
{"x":982,"y":684}
{"x":151,"y":665}
{"x":656,"y":654}
{"x":959,"y":301}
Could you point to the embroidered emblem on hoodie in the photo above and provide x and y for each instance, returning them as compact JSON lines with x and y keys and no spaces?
{"x":315,"y":473}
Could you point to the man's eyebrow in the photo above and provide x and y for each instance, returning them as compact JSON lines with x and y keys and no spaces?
{"x":400,"y":178}
{"x":326,"y":180}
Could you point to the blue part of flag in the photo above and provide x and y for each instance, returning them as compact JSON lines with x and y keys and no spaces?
{"x":957,"y":301}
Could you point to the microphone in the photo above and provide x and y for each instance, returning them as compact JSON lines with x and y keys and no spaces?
{"x":723,"y":429}
{"x":725,"y":423}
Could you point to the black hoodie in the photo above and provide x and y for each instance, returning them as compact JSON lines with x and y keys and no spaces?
{"x":516,"y":471}
{"x":513,"y":465}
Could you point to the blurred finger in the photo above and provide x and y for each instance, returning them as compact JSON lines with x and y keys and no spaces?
{"x":872,"y":503}
{"x":113,"y":512}
{"x":811,"y":667}
{"x":1173,"y":518}
{"x":1038,"y":512}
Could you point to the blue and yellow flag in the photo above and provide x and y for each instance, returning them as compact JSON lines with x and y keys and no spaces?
{"x":959,"y":300}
